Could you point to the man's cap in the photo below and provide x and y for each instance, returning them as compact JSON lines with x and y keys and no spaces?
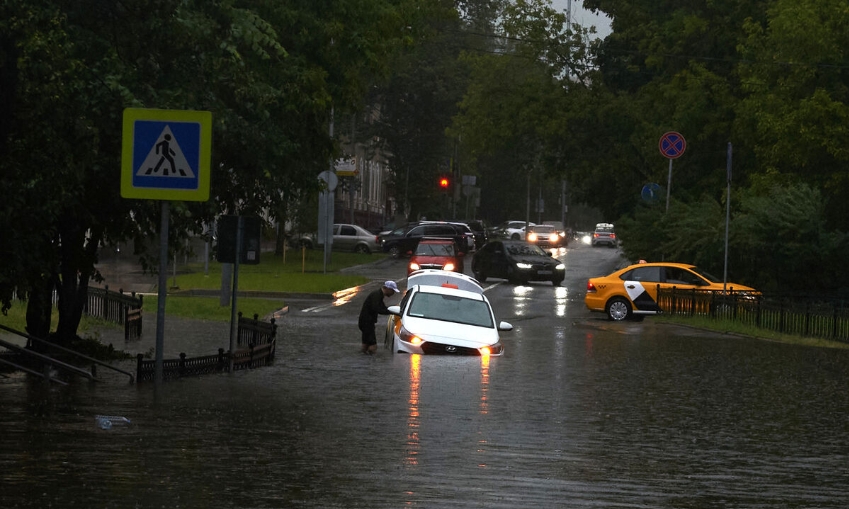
{"x":392,"y":286}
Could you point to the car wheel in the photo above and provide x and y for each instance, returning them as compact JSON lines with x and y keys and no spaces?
{"x":515,"y":236}
{"x":394,"y":252}
{"x":556,"y":282}
{"x":362,"y":249}
{"x":479,"y":275}
{"x":618,"y":309}
{"x":389,"y":342}
{"x":513,"y":276}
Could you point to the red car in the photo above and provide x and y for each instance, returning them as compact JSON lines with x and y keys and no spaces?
{"x":432,"y":253}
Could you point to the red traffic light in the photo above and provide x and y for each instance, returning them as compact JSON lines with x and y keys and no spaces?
{"x":444,"y":182}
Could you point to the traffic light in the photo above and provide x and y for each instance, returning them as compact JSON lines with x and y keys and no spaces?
{"x":444,"y":183}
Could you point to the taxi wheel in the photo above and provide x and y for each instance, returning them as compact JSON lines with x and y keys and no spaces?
{"x":618,"y":309}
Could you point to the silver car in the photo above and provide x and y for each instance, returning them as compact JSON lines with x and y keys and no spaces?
{"x":350,"y":237}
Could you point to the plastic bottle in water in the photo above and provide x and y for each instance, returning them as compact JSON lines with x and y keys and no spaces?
{"x":107,"y":421}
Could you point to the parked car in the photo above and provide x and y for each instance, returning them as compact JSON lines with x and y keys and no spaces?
{"x":604,"y":235}
{"x":403,"y":241}
{"x":514,"y":230}
{"x":435,"y":253}
{"x":544,"y":236}
{"x":479,"y":231}
{"x":346,"y":237}
{"x":631,"y":292}
{"x":517,"y":261}
{"x":454,"y":318}
{"x":350,"y":237}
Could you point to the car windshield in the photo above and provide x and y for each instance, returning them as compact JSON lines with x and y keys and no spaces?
{"x":451,"y":308}
{"x":542,"y":229}
{"x":435,"y":250}
{"x":524,"y":250}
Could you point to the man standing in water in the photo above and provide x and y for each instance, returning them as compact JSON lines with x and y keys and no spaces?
{"x":372,"y":307}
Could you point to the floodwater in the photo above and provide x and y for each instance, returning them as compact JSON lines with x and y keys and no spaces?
{"x":579,"y":412}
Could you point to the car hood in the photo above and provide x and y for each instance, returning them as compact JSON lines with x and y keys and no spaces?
{"x":544,"y":260}
{"x":450,"y":333}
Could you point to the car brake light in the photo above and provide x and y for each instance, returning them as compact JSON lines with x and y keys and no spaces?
{"x":590,"y":287}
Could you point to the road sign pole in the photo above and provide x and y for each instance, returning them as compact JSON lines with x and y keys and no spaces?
{"x":163,"y":292}
{"x":668,"y":185}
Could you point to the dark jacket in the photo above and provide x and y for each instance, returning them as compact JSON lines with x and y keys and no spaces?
{"x":372,"y":307}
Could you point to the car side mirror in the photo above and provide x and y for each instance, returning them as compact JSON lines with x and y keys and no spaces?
{"x":505,"y":326}
{"x":550,"y":254}
{"x":394,"y":310}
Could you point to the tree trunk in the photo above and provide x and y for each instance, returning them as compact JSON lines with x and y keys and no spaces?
{"x":40,"y":306}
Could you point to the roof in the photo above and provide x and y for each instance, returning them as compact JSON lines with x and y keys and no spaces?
{"x":434,"y":277}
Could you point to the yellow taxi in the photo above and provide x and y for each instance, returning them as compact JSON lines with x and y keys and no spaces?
{"x":631,"y":292}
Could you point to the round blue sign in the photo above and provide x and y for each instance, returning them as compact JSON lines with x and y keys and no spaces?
{"x":650,"y":192}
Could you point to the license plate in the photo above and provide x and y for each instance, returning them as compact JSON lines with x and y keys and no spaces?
{"x":544,"y":273}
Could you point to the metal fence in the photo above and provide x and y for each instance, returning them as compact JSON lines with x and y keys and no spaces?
{"x":801,"y":316}
{"x":258,"y":346}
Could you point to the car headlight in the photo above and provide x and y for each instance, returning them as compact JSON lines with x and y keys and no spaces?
{"x":408,"y":337}
{"x":414,"y":266}
{"x":560,"y":266}
{"x":532,"y":237}
{"x":524,"y":265}
{"x":448,"y":266}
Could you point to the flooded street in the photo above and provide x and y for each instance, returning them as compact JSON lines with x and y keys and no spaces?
{"x":579,"y":412}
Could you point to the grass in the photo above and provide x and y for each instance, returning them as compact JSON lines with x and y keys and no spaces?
{"x":732,"y":327}
{"x":299,"y":272}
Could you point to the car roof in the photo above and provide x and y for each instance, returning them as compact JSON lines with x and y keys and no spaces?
{"x":436,"y":277}
{"x":657,"y":264}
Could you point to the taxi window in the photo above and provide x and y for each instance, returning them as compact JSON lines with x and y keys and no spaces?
{"x":643,"y":274}
{"x":677,"y":276}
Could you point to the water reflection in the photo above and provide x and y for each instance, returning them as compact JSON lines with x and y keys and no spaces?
{"x":484,"y":407}
{"x":521,"y":299}
{"x":413,"y":410}
{"x":560,"y":295}
{"x":345,"y":296}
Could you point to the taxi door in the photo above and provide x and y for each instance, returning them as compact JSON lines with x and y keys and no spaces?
{"x":641,"y":287}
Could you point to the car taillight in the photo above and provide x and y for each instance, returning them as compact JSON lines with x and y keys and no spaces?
{"x":595,"y":234}
{"x":612,"y":235}
{"x":590,"y":287}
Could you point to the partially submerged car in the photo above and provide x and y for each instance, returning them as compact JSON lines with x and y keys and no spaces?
{"x":444,"y":313}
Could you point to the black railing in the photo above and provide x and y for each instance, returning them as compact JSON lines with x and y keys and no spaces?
{"x":116,"y":307}
{"x":801,"y":316}
{"x":260,"y":341}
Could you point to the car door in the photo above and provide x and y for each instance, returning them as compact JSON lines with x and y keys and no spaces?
{"x":497,"y":260}
{"x":345,"y":237}
{"x":641,"y":288}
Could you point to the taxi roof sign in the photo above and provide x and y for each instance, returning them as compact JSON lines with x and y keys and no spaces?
{"x":166,"y":154}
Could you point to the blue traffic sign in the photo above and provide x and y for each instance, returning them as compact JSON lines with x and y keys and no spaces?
{"x":672,"y":145}
{"x":166,"y":154}
{"x":650,"y":192}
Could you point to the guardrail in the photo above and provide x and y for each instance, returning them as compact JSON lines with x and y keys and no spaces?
{"x":807,"y":317}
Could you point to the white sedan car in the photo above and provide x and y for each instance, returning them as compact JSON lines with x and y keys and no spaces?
{"x":444,"y":319}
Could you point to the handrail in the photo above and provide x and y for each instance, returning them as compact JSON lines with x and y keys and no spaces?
{"x":63,"y":349}
{"x":31,"y":371}
{"x":54,"y":362}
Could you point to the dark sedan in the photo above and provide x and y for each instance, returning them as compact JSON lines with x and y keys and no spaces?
{"x":517,"y":261}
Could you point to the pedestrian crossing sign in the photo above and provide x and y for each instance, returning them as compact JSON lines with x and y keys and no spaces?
{"x":165,"y":154}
